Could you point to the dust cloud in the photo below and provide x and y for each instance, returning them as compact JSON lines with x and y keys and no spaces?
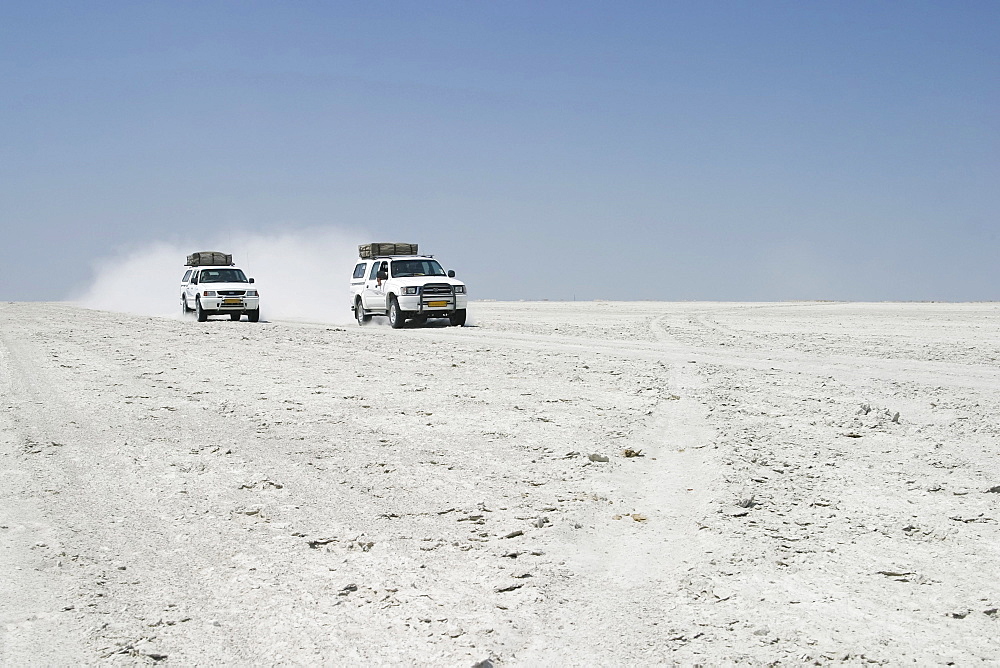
{"x":300,"y":275}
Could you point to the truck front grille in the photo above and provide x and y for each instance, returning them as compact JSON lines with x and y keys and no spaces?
{"x":232,"y":293}
{"x":437,"y":289}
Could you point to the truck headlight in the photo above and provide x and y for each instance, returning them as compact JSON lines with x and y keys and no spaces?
{"x":208,"y":293}
{"x":459,"y":289}
{"x":411,"y":290}
{"x":251,"y":293}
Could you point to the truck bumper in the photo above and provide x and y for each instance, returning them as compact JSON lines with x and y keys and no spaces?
{"x":433,"y":307}
{"x":230,"y":304}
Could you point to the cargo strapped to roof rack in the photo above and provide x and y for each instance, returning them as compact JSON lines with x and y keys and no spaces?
{"x":209,"y":259}
{"x":368,"y":251}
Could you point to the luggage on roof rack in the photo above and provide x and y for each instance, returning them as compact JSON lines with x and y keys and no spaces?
{"x":368,"y":251}
{"x":209,"y":259}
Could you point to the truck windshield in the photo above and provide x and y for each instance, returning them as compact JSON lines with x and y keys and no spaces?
{"x":416,"y":268}
{"x":222,"y":276}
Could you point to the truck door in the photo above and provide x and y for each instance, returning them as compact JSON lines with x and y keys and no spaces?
{"x":192,"y":289}
{"x":358,"y":280}
{"x":373,"y":296}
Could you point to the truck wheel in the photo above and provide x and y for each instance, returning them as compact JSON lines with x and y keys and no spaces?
{"x":396,"y":317}
{"x":202,"y":316}
{"x":253,"y":316}
{"x":360,"y":314}
{"x":235,"y":316}
{"x":184,"y":306}
{"x":457,"y":319}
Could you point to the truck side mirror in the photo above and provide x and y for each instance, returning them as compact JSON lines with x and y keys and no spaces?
{"x":251,"y":280}
{"x":451,"y":273}
{"x":382,"y":275}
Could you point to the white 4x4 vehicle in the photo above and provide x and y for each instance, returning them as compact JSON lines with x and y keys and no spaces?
{"x":405,"y":287}
{"x":218,"y":288}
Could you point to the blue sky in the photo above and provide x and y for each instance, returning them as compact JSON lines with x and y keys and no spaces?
{"x":627,"y":150}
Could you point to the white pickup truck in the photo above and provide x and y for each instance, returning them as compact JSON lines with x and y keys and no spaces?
{"x":392,"y":280}
{"x":214,"y":286}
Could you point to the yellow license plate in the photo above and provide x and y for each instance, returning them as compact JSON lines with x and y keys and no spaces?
{"x":437,"y":303}
{"x":232,"y":301}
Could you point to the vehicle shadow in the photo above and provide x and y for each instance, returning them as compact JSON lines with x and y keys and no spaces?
{"x":436,"y":323}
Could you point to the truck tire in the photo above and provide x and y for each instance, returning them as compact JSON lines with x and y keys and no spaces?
{"x":396,"y":317}
{"x":457,"y":319}
{"x":202,"y":316}
{"x":360,"y":313}
{"x":184,"y":306}
{"x":235,"y":316}
{"x":254,"y":315}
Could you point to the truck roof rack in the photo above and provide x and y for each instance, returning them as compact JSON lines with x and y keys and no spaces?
{"x":209,"y":259}
{"x":389,"y":257}
{"x":382,"y":249}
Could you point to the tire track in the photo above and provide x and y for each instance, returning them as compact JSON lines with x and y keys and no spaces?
{"x":36,"y":592}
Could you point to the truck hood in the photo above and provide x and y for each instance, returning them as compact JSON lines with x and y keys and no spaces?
{"x":225,"y":286}
{"x":423,"y":280}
